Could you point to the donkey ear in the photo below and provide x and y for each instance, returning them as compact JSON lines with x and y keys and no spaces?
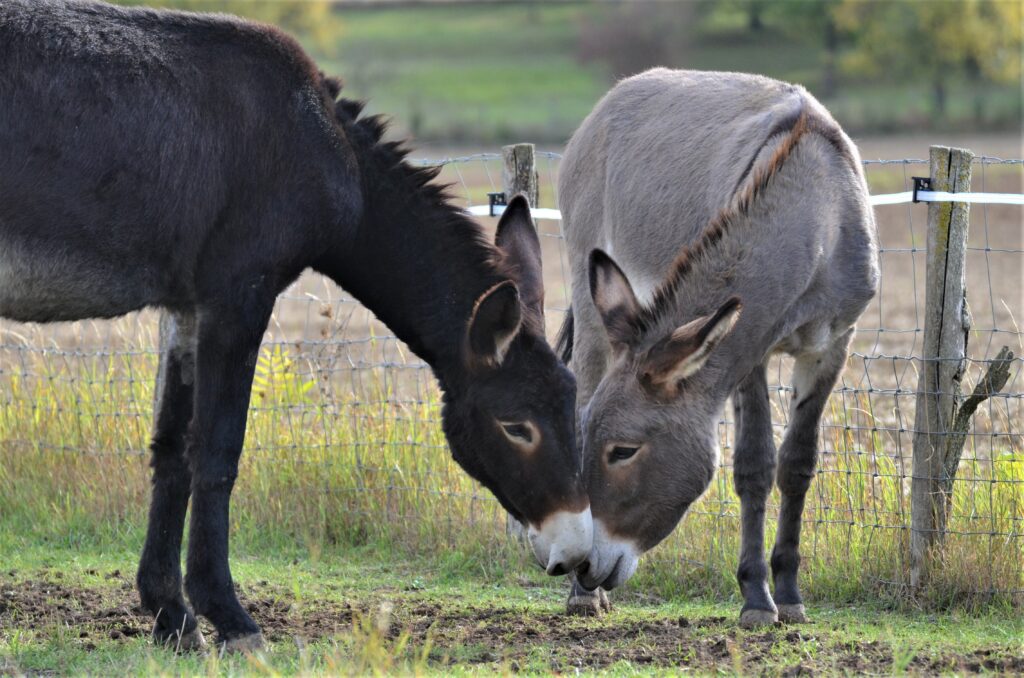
{"x":493,"y":325}
{"x":687,"y":349}
{"x":614,"y":298}
{"x":520,"y":249}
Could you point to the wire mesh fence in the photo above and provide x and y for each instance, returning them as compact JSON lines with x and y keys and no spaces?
{"x":344,"y":442}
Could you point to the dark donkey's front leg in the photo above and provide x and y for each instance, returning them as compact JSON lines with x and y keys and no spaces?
{"x":813,"y":379}
{"x":159,"y":576}
{"x":753,"y":474}
{"x":228,"y":344}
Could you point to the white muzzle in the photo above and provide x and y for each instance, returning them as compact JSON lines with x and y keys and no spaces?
{"x":612,"y":561}
{"x":563,"y":540}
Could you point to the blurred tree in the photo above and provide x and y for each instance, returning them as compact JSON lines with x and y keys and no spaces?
{"x":752,"y":10}
{"x":814,"y":20}
{"x":808,"y":21}
{"x":936,"y":41}
{"x":635,"y":36}
{"x":310,"y":20}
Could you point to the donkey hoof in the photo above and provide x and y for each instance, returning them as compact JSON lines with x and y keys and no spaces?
{"x":592,"y":604}
{"x":793,"y":614}
{"x":247,"y":644}
{"x":752,"y":619}
{"x":189,"y":641}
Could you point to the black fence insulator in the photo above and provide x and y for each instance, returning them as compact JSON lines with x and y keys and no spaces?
{"x":921,"y":184}
{"x":495,"y":200}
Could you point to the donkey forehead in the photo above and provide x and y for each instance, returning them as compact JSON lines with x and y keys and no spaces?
{"x":531,"y":380}
{"x":622,"y":412}
{"x":620,"y":386}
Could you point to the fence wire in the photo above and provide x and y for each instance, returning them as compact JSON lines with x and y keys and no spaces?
{"x":344,"y":439}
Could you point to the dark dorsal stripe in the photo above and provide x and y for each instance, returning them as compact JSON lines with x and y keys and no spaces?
{"x":751,"y":186}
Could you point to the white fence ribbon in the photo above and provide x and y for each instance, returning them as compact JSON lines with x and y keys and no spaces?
{"x":882,"y":199}
{"x":537,"y":212}
{"x":945,"y":196}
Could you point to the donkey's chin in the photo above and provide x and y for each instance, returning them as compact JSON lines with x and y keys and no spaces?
{"x":611,"y":563}
{"x":563,"y":540}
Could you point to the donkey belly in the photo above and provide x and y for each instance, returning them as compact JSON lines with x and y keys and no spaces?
{"x":50,"y":284}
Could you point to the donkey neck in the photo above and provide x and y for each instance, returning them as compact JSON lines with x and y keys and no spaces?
{"x":417,"y":262}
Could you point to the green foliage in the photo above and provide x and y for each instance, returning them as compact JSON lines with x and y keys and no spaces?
{"x":277,"y":381}
{"x":309,"y":18}
{"x":939,"y":42}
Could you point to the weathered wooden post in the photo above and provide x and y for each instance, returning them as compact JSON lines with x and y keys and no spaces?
{"x":519,"y":175}
{"x":943,"y":415}
{"x":946,"y":323}
{"x":519,"y":172}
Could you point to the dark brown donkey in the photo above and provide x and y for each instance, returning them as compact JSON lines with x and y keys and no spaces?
{"x":200,"y":164}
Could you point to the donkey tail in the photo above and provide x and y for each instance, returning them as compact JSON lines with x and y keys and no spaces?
{"x":563,"y":343}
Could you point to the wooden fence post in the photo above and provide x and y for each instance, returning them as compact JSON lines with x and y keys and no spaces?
{"x":519,"y":175}
{"x":519,"y":172}
{"x":946,"y":323}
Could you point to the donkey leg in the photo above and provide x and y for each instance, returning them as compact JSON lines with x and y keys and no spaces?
{"x":159,"y":575}
{"x":586,"y":603}
{"x":228,"y":344}
{"x":813,"y":379}
{"x":753,"y":471}
{"x":589,"y":361}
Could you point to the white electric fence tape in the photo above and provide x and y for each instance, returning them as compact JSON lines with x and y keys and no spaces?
{"x":537,"y":212}
{"x":945,"y":196}
{"x":883,"y":199}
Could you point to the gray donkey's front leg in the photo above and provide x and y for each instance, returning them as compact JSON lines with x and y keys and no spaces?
{"x":753,"y":472}
{"x":813,"y":379}
{"x":586,"y":603}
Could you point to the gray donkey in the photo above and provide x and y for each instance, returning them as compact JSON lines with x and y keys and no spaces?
{"x":712,"y":220}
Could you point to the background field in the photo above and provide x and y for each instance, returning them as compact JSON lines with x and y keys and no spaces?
{"x":510,"y":71}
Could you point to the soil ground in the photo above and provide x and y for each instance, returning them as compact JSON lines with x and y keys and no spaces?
{"x":75,"y":618}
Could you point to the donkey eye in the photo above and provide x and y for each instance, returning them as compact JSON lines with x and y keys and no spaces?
{"x":518,"y":432}
{"x":622,"y":453}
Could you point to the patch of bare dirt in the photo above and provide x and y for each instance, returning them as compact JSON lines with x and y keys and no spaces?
{"x":115,"y":613}
{"x":510,"y":636}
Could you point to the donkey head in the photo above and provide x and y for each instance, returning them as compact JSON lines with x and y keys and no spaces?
{"x":649,"y":443}
{"x":511,"y":424}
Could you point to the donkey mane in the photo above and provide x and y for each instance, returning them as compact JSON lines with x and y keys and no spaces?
{"x":371,"y":129}
{"x":467,"y":238}
{"x":750,"y":187}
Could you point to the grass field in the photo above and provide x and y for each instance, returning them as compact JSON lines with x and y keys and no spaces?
{"x":348,"y":501}
{"x":502,"y":72}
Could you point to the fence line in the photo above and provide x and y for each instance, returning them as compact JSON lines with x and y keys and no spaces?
{"x":344,"y":411}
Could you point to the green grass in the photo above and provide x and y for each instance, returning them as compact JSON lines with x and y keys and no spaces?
{"x":509,"y":72}
{"x":455,"y":614}
{"x":468,"y":72}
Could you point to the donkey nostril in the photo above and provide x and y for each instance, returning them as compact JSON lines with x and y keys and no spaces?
{"x":557,"y":570}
